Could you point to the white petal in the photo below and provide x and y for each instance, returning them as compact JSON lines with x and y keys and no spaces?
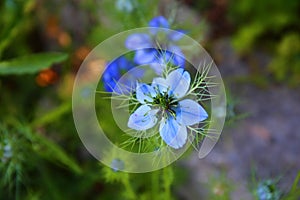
{"x":143,"y":118}
{"x":179,"y":81}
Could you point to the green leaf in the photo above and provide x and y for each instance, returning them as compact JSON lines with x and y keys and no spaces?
{"x":48,"y":149}
{"x":52,"y":115}
{"x":53,"y":152}
{"x":31,"y":63}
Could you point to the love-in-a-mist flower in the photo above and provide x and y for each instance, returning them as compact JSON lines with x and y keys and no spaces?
{"x":114,"y":71}
{"x":5,"y":151}
{"x":163,"y":102}
{"x":154,"y":52}
{"x":117,"y":164}
{"x":267,"y":190}
{"x":126,"y":6}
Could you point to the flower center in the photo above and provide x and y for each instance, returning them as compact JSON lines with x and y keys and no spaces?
{"x":166,"y":102}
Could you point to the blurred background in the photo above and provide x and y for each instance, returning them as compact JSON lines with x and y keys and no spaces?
{"x":256,"y":46}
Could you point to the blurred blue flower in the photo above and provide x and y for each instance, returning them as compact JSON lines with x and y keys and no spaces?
{"x":163,"y":98}
{"x":159,"y":21}
{"x":125,"y":5}
{"x":267,"y":190}
{"x":114,"y":71}
{"x":117,"y":165}
{"x":6,"y":151}
{"x":153,"y":52}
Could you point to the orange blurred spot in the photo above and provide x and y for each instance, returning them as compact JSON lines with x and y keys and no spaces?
{"x":64,"y":39}
{"x":46,"y":77}
{"x":82,"y":52}
{"x":52,"y":27}
{"x":79,"y":55}
{"x":261,"y":132}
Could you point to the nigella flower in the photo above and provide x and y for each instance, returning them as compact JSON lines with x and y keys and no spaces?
{"x":125,"y":5}
{"x":156,"y":53}
{"x":6,"y":151}
{"x":267,"y":190}
{"x":114,"y":72}
{"x":163,"y":102}
{"x":117,"y":165}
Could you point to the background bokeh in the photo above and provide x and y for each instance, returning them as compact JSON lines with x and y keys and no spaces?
{"x":256,"y":46}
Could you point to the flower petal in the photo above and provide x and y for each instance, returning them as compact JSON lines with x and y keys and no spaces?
{"x":176,"y":35}
{"x":189,"y":112}
{"x":144,"y":93}
{"x":174,"y":134}
{"x":143,"y":118}
{"x":161,"y":84}
{"x":159,"y":21}
{"x":144,"y":56}
{"x":138,"y":41}
{"x":179,"y":82}
{"x":158,"y":67}
{"x":178,"y":57}
{"x":161,"y":61}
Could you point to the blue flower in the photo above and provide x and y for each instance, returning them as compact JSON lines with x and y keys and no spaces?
{"x":114,"y":71}
{"x":125,"y":5}
{"x":159,"y":21}
{"x":117,"y":165}
{"x":163,"y":101}
{"x":267,"y":190}
{"x":149,"y":53}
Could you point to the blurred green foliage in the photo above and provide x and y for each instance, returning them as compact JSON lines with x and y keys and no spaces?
{"x":16,"y":19}
{"x":286,"y":64}
{"x":260,"y":21}
{"x":294,"y":192}
{"x":273,"y":26}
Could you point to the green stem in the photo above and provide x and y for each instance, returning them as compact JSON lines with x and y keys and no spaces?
{"x":52,"y":115}
{"x":17,"y":187}
{"x":155,"y":184}
{"x":167,"y":179}
{"x":128,"y":188}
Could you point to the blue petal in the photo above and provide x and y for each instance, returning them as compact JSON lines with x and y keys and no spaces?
{"x":172,"y":133}
{"x":179,"y":82}
{"x":138,"y":41}
{"x":109,"y":86}
{"x":144,"y":56}
{"x":189,"y":112}
{"x":158,"y":67}
{"x":124,"y":64}
{"x":112,"y":70}
{"x":143,"y":118}
{"x":117,"y":164}
{"x":144,"y":93}
{"x":160,"y":22}
{"x":160,"y":62}
{"x":110,"y":76}
{"x":178,"y":56}
{"x":176,"y":35}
